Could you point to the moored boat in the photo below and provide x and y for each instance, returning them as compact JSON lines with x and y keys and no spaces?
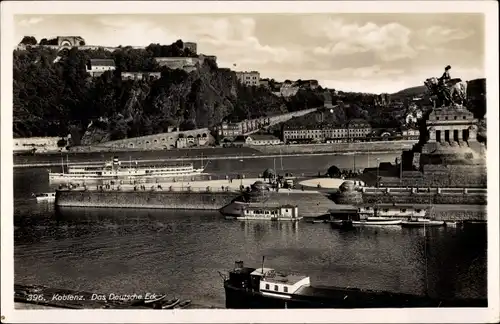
{"x":375,"y":222}
{"x":421,"y":222}
{"x":261,"y":211}
{"x":317,"y":221}
{"x":156,"y":299}
{"x":171,"y":303}
{"x":248,"y":288}
{"x":114,"y":170}
{"x":183,"y":304}
{"x":381,"y":215}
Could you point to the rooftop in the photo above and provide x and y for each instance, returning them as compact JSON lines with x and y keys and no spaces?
{"x":263,"y":137}
{"x":270,"y":275}
{"x":261,"y":271}
{"x":285,"y":279}
{"x":102,"y":62}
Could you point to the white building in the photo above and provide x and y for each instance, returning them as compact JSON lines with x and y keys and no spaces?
{"x":258,"y":139}
{"x":96,"y":67}
{"x":251,"y":78}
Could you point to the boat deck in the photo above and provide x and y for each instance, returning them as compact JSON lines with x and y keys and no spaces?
{"x":376,"y":298}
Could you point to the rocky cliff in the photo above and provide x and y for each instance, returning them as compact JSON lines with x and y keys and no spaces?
{"x":54,"y":95}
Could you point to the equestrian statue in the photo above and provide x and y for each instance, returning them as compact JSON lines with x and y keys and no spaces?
{"x":447,"y":90}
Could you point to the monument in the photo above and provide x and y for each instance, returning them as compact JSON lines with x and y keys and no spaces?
{"x":448,"y":154}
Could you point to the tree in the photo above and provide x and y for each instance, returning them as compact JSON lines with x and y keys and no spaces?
{"x":28,"y":40}
{"x":334,"y":172}
{"x":269,"y":174}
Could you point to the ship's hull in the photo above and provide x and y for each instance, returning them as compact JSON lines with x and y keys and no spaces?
{"x":91,"y":178}
{"x":45,"y":199}
{"x":367,"y":222}
{"x":422,"y":224}
{"x":329,"y":297}
{"x":250,"y":218}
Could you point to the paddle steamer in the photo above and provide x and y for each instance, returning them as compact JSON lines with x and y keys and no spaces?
{"x":115,"y":170}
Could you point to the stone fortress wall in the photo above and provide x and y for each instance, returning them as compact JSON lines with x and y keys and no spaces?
{"x":162,"y":141}
{"x":41,"y":144}
{"x":144,"y":199}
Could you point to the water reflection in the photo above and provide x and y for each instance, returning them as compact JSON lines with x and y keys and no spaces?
{"x":258,"y":229}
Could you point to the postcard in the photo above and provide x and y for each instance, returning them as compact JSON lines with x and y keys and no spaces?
{"x":232,"y":162}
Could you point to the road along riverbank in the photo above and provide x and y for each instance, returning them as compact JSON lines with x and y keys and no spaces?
{"x":204,"y":153}
{"x":52,"y":161}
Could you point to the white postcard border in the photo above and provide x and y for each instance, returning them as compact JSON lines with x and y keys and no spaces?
{"x":11,"y":315}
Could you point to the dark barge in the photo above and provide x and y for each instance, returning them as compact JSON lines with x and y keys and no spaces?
{"x":254,"y":288}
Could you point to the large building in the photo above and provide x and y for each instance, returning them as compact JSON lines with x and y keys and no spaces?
{"x":173,"y":63}
{"x":140,"y":75}
{"x":70,"y":41}
{"x":354,"y":130}
{"x":229,"y":129}
{"x":251,"y":78}
{"x":262,"y":139}
{"x":96,"y":67}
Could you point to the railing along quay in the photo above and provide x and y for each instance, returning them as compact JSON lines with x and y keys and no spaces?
{"x":442,"y":191}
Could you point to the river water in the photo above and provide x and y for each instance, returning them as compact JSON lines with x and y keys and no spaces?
{"x":179,"y":252}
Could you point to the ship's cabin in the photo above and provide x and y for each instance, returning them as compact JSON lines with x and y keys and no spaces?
{"x":270,"y":211}
{"x":45,"y":195}
{"x":266,"y":280}
{"x":274,"y":283}
{"x":388,"y":210}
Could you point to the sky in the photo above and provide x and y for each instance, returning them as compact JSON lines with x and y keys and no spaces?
{"x":376,"y":53}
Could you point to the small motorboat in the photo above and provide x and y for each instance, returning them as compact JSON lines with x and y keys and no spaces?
{"x":45,"y":197}
{"x":317,"y":221}
{"x":342,"y":224}
{"x":183,"y":304}
{"x":155,"y":300}
{"x":171,"y":303}
{"x":452,"y":224}
{"x":421,"y":222}
{"x":377,"y":222}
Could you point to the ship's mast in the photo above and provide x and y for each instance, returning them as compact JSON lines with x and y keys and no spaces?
{"x":425,"y":242}
{"x":281,"y":161}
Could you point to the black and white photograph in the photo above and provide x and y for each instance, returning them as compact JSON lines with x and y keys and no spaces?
{"x":250,"y":161}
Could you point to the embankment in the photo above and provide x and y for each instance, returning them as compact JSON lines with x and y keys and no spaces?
{"x":465,"y":214}
{"x":426,"y":198}
{"x":198,"y":153}
{"x":144,"y":199}
{"x":381,"y":146}
{"x":310,"y":203}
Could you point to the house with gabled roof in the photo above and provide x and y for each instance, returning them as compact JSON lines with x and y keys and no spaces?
{"x":96,"y":67}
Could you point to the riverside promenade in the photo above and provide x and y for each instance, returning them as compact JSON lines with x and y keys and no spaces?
{"x":216,"y":185}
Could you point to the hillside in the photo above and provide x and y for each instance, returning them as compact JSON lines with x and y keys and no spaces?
{"x":476,"y":95}
{"x":54,"y":95}
{"x":409,"y":92}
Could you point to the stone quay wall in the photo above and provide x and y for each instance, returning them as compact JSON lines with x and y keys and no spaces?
{"x":425,"y":198}
{"x":144,"y":199}
{"x":381,"y":146}
{"x":444,"y":176}
{"x":460,"y":216}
